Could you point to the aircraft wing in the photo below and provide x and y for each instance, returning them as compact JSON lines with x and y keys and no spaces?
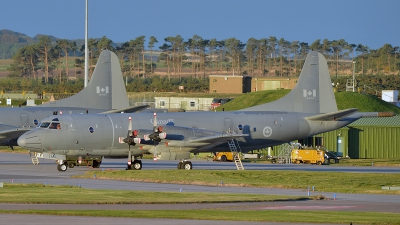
{"x":218,"y":138}
{"x":333,"y":116}
{"x":10,"y":134}
{"x":128,"y":110}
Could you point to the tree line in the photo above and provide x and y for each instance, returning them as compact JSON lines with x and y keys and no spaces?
{"x":150,"y":84}
{"x":198,"y":57}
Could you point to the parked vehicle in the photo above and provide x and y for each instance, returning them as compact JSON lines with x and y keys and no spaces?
{"x":331,"y":156}
{"x":311,"y":156}
{"x":218,"y":102}
{"x":223,"y":156}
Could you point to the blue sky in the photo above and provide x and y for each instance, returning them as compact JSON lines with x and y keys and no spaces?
{"x":368,"y":22}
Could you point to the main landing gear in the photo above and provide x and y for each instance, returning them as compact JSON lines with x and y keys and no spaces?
{"x":62,"y":165}
{"x":135,"y":165}
{"x":186,"y":165}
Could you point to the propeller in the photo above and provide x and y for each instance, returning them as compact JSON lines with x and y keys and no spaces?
{"x":156,"y":136}
{"x":131,"y":139}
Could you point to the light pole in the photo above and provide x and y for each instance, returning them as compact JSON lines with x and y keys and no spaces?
{"x":354,"y":69}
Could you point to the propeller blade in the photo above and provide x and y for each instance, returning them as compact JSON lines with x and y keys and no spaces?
{"x":129,"y":156}
{"x":130,"y":126}
{"x":155,"y":122}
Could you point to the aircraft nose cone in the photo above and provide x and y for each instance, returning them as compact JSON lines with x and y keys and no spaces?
{"x":21,"y":141}
{"x":30,"y":140}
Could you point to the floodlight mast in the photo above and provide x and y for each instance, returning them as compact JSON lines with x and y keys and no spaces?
{"x":354,"y":80}
{"x":86,"y":45}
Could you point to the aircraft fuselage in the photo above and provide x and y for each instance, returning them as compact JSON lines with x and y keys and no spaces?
{"x":101,"y":134}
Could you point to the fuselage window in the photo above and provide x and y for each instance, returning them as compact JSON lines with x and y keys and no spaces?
{"x":240,"y":127}
{"x":91,"y":130}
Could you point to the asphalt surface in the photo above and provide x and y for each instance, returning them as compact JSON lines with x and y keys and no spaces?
{"x":17,"y":168}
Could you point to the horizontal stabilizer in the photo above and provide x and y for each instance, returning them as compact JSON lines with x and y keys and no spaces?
{"x":333,"y":116}
{"x":374,"y":114}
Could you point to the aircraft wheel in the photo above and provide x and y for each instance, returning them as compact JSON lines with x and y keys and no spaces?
{"x":137,"y":165}
{"x":96,"y":164}
{"x":128,"y":167}
{"x":223,"y":158}
{"x":62,"y":167}
{"x":187,"y":165}
{"x":180,"y":165}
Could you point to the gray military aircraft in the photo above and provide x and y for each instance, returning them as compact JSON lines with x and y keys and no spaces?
{"x":104,"y":92}
{"x":310,"y":108}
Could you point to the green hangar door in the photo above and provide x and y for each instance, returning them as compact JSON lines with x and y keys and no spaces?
{"x":340,"y":146}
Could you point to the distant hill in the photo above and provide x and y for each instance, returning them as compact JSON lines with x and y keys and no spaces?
{"x":11,"y":37}
{"x":344,"y":100}
{"x":11,"y":41}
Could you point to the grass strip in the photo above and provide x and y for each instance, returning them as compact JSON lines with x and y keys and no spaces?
{"x":366,"y":183}
{"x":48,"y":194}
{"x":292,"y":216}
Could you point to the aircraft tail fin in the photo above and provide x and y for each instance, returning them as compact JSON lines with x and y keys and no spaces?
{"x":105,"y":90}
{"x":312,"y":94}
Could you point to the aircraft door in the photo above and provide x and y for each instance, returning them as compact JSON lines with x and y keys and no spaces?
{"x":183,"y":104}
{"x":24,"y":120}
{"x":228,"y":125}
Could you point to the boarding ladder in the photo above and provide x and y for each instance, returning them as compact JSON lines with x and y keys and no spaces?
{"x":34,"y":158}
{"x":235,"y":149}
{"x":284,"y":155}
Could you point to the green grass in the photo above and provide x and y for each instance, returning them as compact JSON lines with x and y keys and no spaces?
{"x":367,"y":183}
{"x":252,"y":99}
{"x":368,"y":162}
{"x":344,"y":217}
{"x":365,"y":103}
{"x":5,"y":64}
{"x":17,"y":149}
{"x":344,"y":100}
{"x":49,"y":194}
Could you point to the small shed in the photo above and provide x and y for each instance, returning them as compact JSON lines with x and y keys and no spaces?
{"x":186,"y":103}
{"x":230,"y":84}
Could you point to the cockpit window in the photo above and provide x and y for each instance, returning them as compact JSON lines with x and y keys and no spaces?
{"x":44,"y":124}
{"x":54,"y":125}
